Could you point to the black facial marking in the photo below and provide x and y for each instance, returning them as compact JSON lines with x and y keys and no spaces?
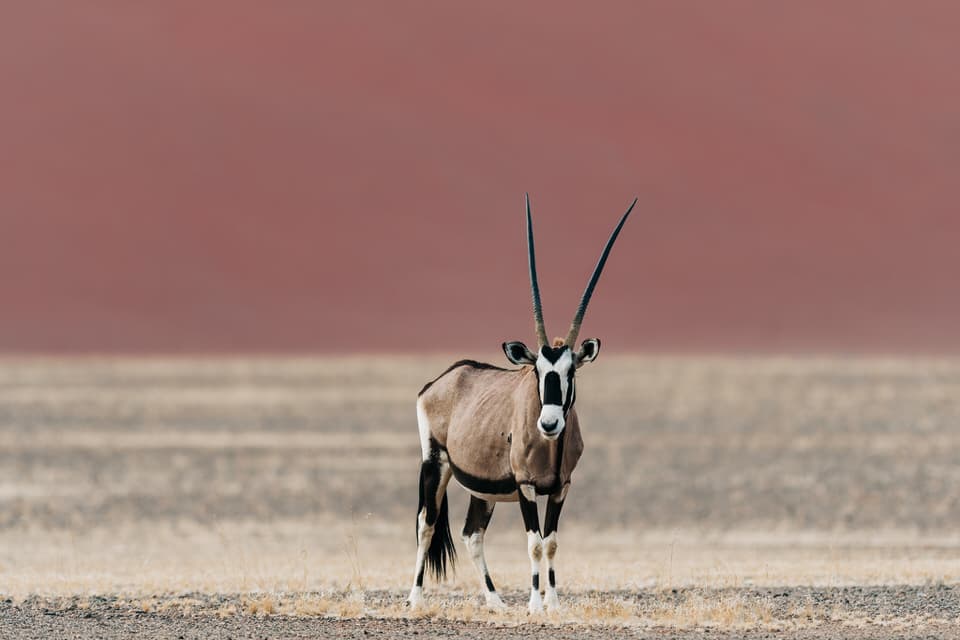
{"x":571,"y":394}
{"x":552,"y":578}
{"x":552,"y":393}
{"x":489,"y":582}
{"x":552,"y":354}
{"x":536,"y":581}
{"x":551,"y":388}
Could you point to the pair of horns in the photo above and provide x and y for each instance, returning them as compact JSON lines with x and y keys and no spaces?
{"x":571,"y":338}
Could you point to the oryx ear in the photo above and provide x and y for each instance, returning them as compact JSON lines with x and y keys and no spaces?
{"x":588,"y":351}
{"x":517,"y":353}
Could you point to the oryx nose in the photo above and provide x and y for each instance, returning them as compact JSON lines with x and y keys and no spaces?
{"x":549,"y":427}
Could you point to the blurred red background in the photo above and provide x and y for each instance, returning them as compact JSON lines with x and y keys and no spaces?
{"x":249,"y":176}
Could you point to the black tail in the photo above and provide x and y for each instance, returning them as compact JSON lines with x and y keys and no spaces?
{"x":441,"y":549}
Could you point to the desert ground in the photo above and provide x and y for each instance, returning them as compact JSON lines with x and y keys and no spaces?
{"x":808,"y":497}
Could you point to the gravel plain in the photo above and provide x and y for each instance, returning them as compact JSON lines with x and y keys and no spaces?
{"x":794,"y":612}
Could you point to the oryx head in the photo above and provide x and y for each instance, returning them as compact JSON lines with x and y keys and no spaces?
{"x":555,"y":364}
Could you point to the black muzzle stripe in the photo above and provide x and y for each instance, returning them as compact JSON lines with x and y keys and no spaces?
{"x":551,"y":389}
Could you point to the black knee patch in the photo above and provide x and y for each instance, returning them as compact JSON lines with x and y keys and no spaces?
{"x":551,"y":519}
{"x":489,"y":582}
{"x":536,"y":581}
{"x":478,"y":516}
{"x":552,"y":578}
{"x":528,"y":509}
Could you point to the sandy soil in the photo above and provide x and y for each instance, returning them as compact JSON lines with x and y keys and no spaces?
{"x":233,"y":498}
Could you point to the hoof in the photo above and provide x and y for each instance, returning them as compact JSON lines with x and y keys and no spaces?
{"x":494,"y":603}
{"x":415,"y":599}
{"x":535,"y":607}
{"x":552,"y":602}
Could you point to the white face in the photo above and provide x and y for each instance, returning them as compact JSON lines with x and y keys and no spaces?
{"x":555,"y":369}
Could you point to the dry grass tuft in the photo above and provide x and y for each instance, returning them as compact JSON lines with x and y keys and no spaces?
{"x":146,"y":606}
{"x":728,"y":612}
{"x":227,"y":611}
{"x":600,"y":609}
{"x":807,"y":614}
{"x":312,"y":606}
{"x":349,"y":604}
{"x":182,"y":606}
{"x":262,"y":606}
{"x":464,"y":610}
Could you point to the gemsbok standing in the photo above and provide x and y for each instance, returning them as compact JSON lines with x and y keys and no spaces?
{"x":506,"y":435}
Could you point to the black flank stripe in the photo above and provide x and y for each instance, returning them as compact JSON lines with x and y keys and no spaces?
{"x":482,"y":485}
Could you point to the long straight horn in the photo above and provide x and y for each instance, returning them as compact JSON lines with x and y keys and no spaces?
{"x":534,"y":285}
{"x":585,"y":300}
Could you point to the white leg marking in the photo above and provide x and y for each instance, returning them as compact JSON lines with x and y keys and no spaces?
{"x":474,"y":544}
{"x":424,"y":536}
{"x":415,"y":599}
{"x":528,"y":492}
{"x":535,"y":551}
{"x":494,"y":603}
{"x":551,"y":601}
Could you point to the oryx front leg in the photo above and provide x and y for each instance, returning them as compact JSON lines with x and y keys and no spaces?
{"x":478,"y":518}
{"x":551,"y":521}
{"x":434,"y":475}
{"x":531,"y":521}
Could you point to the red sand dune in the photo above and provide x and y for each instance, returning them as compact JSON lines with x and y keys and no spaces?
{"x":219,"y":176}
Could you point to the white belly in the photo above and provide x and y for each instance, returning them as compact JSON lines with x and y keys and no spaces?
{"x":494,"y":497}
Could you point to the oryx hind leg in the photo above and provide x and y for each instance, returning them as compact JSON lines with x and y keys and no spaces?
{"x":478,"y":518}
{"x":434,"y":543}
{"x":551,"y":521}
{"x":531,"y":522}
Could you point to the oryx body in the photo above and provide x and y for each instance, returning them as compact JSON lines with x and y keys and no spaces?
{"x":506,"y":435}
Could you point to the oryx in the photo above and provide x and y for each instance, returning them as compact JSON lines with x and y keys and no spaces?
{"x":506,"y":435}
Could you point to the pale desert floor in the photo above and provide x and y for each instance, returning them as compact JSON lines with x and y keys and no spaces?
{"x":813,"y":497}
